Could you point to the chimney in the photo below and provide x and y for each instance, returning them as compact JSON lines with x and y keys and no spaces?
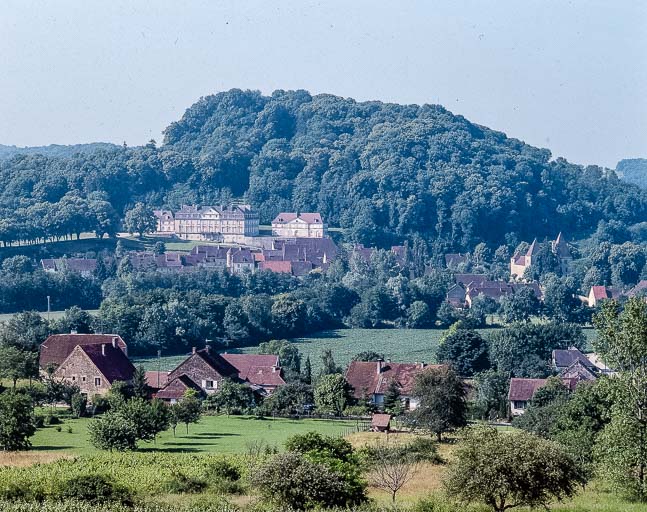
{"x":73,"y":331}
{"x":422,"y":365}
{"x":103,"y":349}
{"x":207,"y":349}
{"x":380,"y":365}
{"x":193,"y":350}
{"x":275,"y":369}
{"x":114,"y":341}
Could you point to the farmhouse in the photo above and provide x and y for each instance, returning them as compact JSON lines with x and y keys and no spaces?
{"x":564,"y":358}
{"x":57,"y":347}
{"x":370,"y":380}
{"x":94,"y":368}
{"x":205,"y":369}
{"x":299,"y":225}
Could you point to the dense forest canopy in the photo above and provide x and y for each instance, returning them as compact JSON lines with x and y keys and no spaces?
{"x":385,"y":172}
{"x":633,"y":170}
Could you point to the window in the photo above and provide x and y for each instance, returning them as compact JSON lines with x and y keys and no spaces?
{"x":83,"y":379}
{"x":209,"y":384}
{"x":73,"y":378}
{"x":97,"y":381}
{"x":519,"y":404}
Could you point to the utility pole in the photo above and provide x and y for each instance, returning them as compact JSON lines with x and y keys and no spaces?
{"x":159,"y":367}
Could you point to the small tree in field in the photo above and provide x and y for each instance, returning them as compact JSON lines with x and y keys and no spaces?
{"x":16,"y":421}
{"x":442,"y":405}
{"x":391,"y":469}
{"x":113,"y":432}
{"x":510,"y":469}
{"x":189,"y":409}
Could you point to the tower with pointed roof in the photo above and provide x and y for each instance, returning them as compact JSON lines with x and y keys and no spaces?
{"x":563,"y":253}
{"x":519,"y":263}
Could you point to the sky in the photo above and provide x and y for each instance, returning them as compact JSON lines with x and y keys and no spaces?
{"x":567,"y":76}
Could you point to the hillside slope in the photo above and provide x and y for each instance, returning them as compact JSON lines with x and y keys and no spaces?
{"x":385,"y":172}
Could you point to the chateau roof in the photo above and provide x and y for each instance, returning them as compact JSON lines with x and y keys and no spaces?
{"x":309,"y":218}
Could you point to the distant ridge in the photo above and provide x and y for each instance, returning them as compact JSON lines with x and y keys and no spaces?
{"x":54,"y":150}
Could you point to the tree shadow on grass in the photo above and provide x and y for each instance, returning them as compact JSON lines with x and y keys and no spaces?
{"x":47,"y":448}
{"x":210,"y":435}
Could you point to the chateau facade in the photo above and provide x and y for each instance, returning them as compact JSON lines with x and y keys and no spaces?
{"x":299,"y":225}
{"x":217,"y":223}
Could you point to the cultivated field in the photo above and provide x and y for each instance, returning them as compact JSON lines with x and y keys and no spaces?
{"x":401,"y":345}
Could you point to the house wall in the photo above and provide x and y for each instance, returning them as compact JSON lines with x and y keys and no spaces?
{"x":299,"y":229}
{"x":518,"y":407}
{"x":199,"y":372}
{"x":79,"y":370}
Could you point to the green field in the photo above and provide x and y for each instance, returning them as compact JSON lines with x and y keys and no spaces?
{"x":399,"y":345}
{"x":53,"y":315}
{"x":222,"y":434}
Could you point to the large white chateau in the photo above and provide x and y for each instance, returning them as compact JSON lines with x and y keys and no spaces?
{"x":299,"y":225}
{"x":217,"y":223}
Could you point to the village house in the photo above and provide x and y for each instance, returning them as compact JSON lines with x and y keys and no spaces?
{"x":370,"y":380}
{"x":83,"y":266}
{"x":95,"y":368}
{"x":299,"y":225}
{"x":522,"y":391}
{"x":560,"y":249}
{"x":57,"y":347}
{"x":218,"y":223}
{"x":564,"y":358}
{"x":598,"y":294}
{"x":205,"y":369}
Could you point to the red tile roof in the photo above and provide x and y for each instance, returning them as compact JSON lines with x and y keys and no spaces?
{"x":525,"y":389}
{"x":381,"y":420}
{"x":110,"y":361}
{"x":175,"y":389}
{"x":55,"y":349}
{"x":365,"y":378}
{"x":261,"y":370}
{"x":276,"y":266}
{"x":157,"y":380}
{"x":599,"y":292}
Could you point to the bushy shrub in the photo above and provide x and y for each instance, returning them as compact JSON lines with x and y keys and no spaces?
{"x":39,"y":421}
{"x":92,"y":489}
{"x":52,"y":419}
{"x":224,"y":470}
{"x":294,"y":481}
{"x":179,"y":483}
{"x":336,"y":447}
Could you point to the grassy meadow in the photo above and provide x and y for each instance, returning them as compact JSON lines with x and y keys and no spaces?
{"x":212,"y":434}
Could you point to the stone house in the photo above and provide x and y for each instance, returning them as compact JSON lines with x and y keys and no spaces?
{"x":57,"y":347}
{"x":240,"y":260}
{"x":83,"y":266}
{"x":370,"y":380}
{"x":519,"y":263}
{"x":205,"y":369}
{"x":299,"y":225}
{"x":94,"y":368}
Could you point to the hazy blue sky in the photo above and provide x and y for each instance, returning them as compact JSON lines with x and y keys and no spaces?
{"x":569,"y":76}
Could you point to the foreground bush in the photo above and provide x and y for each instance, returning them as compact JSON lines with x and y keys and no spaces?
{"x":92,"y":489}
{"x":141,"y":474}
{"x":510,"y":469}
{"x":291,"y":480}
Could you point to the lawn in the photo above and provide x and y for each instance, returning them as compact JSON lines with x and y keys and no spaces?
{"x":399,"y":345}
{"x":212,"y":434}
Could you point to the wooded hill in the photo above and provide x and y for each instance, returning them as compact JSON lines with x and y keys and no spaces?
{"x":385,"y":172}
